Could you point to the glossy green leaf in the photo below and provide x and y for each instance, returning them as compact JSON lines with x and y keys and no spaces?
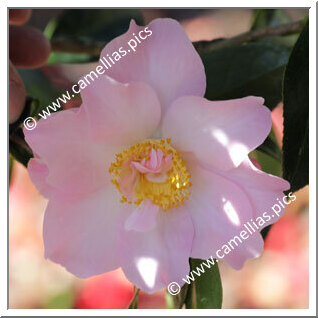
{"x":247,"y":69}
{"x":271,"y":148}
{"x":180,"y":298}
{"x":296,"y":114}
{"x":205,"y":292}
{"x":268,"y":163}
{"x":269,"y":17}
{"x":39,"y":87}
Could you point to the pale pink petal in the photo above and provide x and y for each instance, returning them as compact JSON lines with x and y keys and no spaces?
{"x":219,"y":133}
{"x":264,"y":190}
{"x":151,"y":260}
{"x":81,"y":235}
{"x":38,"y":172}
{"x":140,"y":167}
{"x":159,"y":157}
{"x":143,"y":218}
{"x":219,"y":209}
{"x":166,"y":60}
{"x":153,"y":159}
{"x":250,"y":248}
{"x":75,"y":164}
{"x":121,"y":113}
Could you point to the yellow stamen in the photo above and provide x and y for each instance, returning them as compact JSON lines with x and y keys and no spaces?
{"x":171,"y":193}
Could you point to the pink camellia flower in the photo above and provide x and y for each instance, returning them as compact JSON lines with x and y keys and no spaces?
{"x":147,"y":172}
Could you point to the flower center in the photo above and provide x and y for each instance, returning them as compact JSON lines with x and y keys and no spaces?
{"x":151,"y":170}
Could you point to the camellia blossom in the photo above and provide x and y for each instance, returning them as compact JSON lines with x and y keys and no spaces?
{"x":147,"y":173}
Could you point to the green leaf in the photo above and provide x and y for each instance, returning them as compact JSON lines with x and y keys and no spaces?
{"x":247,"y":69}
{"x":269,"y":156}
{"x":296,"y":114}
{"x":269,"y":17}
{"x":272,"y":17}
{"x":39,"y":87}
{"x":205,"y":292}
{"x":270,"y":148}
{"x":180,"y":298}
{"x":268,"y":163}
{"x":262,"y":18}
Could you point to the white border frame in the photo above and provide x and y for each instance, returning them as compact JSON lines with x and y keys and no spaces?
{"x":312,"y":164}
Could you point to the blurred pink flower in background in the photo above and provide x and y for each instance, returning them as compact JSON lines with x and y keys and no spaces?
{"x":32,"y":279}
{"x":113,"y":291}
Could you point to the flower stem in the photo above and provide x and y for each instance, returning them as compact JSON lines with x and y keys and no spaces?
{"x":279,"y":30}
{"x":134,"y":301}
{"x":94,"y":48}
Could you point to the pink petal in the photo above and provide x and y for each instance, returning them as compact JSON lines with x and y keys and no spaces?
{"x":264,"y":190}
{"x":81,"y":235}
{"x":159,"y":157}
{"x":121,"y":114}
{"x":143,"y":218}
{"x":220,"y":133}
{"x":166,"y":60}
{"x":219,"y":209}
{"x":75,"y":164}
{"x":153,"y":159}
{"x":38,"y":172}
{"x":151,"y":260}
{"x":140,"y":167}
